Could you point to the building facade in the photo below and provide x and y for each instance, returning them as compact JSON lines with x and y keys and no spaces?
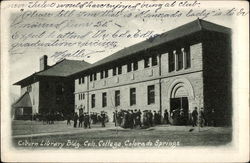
{"x":48,"y":91}
{"x":184,"y":68}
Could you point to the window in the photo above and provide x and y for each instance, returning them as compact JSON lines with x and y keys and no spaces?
{"x":90,"y":77}
{"x":151,"y":94}
{"x":79,"y":81}
{"x":171,"y":62}
{"x":82,"y":78}
{"x":135,"y":65}
{"x":132,"y":96}
{"x":154,"y":60}
{"x":146,"y":62}
{"x":104,"y":99}
{"x":187,"y":57}
{"x":101,"y":74}
{"x":82,"y":96}
{"x":114,"y":71}
{"x":94,"y":76}
{"x":106,"y":73}
{"x":180,"y":60}
{"x":79,"y":96}
{"x":117,"y":98}
{"x":92,"y":100}
{"x":119,"y":70}
{"x":129,"y":67}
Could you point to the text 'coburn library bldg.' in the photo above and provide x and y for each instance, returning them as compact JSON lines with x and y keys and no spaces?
{"x":187,"y":67}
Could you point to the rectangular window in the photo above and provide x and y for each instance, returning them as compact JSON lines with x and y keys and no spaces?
{"x":104,"y":99}
{"x":82,"y":78}
{"x":132,"y":96}
{"x":90,"y":77}
{"x":180,"y":60}
{"x":151,"y":94}
{"x":135,"y":65}
{"x":188,"y":58}
{"x":129,"y":67}
{"x":117,"y":98}
{"x":83,"y":96}
{"x":101,"y":74}
{"x":154,"y":60}
{"x":92,"y":100}
{"x":171,"y":62}
{"x":114,"y":71}
{"x":106,"y":73}
{"x":94,"y":76}
{"x":79,"y":81}
{"x":146,"y":62}
{"x":79,"y":96}
{"x":119,"y":70}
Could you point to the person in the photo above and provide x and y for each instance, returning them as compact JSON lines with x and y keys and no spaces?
{"x":75,"y":119}
{"x":182,"y":116}
{"x":139,"y":117}
{"x":103,"y":118}
{"x":81,"y":117}
{"x":194,"y":117}
{"x":68,"y":119}
{"x":166,"y":116}
{"x":201,"y":117}
{"x":87,"y":120}
{"x":150,"y":117}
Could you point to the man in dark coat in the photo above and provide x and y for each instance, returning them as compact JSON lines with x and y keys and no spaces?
{"x":81,"y":117}
{"x":68,"y":119}
{"x":166,"y":116}
{"x":194,"y":117}
{"x":75,"y":119}
{"x":103,"y":118}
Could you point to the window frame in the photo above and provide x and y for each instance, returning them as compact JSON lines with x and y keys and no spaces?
{"x":132,"y":96}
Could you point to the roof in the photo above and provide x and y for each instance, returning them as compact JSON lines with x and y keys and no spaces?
{"x":179,"y":32}
{"x":23,"y":101}
{"x":63,"y":68}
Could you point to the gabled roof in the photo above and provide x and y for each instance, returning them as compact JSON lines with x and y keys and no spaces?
{"x":23,"y":101}
{"x":179,"y":32}
{"x":63,"y":68}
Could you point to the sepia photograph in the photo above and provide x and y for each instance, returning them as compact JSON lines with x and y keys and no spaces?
{"x":115,"y":79}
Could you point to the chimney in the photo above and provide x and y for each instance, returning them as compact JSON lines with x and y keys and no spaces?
{"x":43,"y":62}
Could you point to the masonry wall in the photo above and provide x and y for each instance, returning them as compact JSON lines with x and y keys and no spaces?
{"x":190,"y":78}
{"x":34,"y":95}
{"x":63,"y":102}
{"x":217,"y":77}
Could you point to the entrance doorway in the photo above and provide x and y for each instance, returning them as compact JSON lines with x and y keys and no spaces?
{"x":179,"y":110}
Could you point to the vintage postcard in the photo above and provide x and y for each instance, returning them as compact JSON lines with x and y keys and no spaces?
{"x":125,"y":81}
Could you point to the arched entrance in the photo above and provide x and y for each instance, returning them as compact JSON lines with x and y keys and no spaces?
{"x":180,"y":95}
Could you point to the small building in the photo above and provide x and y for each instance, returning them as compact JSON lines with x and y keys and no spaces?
{"x":48,"y":91}
{"x":187,"y":67}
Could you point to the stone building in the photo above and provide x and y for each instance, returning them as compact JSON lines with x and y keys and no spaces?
{"x":187,"y":67}
{"x":49,"y":90}
{"x":184,"y":68}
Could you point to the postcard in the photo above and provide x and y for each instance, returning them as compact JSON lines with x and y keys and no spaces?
{"x":125,"y":81}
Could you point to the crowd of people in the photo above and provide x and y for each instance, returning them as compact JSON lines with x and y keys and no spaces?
{"x":85,"y":119}
{"x":133,"y":118}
